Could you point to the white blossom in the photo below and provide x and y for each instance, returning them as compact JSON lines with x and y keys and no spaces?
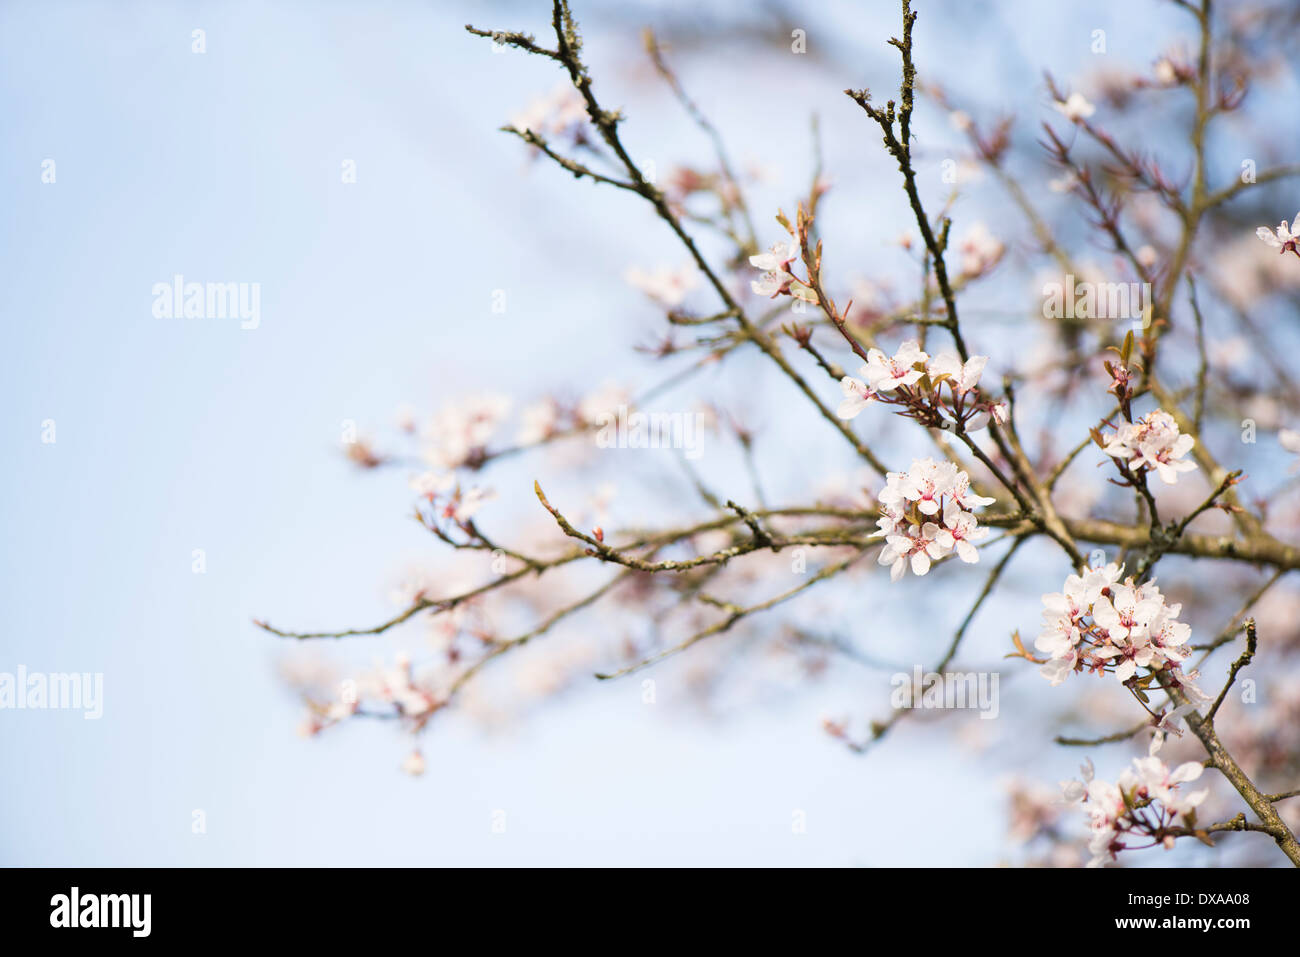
{"x":1152,"y":442}
{"x":604,"y":401}
{"x":664,"y":284}
{"x":1285,"y":237}
{"x":963,"y":377}
{"x":556,"y":113}
{"x":963,"y":495}
{"x":1064,"y":183}
{"x":413,"y":764}
{"x":464,"y":505}
{"x":461,"y":430}
{"x":777,"y":259}
{"x":1075,"y":108}
{"x":432,"y":484}
{"x":396,"y":686}
{"x":777,"y":279}
{"x":959,"y":531}
{"x":773,"y":284}
{"x":539,"y":422}
{"x":1290,"y":440}
{"x":856,"y":396}
{"x":984,"y":414}
{"x":885,"y":374}
{"x":1076,"y":790}
{"x":980,"y":250}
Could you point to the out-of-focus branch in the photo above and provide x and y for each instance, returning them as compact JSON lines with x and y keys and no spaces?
{"x":568,"y":52}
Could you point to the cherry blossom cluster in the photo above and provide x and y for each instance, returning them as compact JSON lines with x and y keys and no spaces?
{"x":927,"y":514}
{"x":457,"y":438}
{"x":549,"y":418}
{"x":447,"y":500}
{"x":1144,"y":803}
{"x":460,"y":431}
{"x":1101,"y":624}
{"x":1153,"y":442}
{"x":913,"y":381}
{"x":392,"y":690}
{"x":388,"y":692}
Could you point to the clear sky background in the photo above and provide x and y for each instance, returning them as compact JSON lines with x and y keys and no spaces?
{"x":174,"y":435}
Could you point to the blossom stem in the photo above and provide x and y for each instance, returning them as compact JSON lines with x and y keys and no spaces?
{"x":1203,"y":728}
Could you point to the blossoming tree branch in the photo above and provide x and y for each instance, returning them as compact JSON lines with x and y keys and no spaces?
{"x":982,"y":484}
